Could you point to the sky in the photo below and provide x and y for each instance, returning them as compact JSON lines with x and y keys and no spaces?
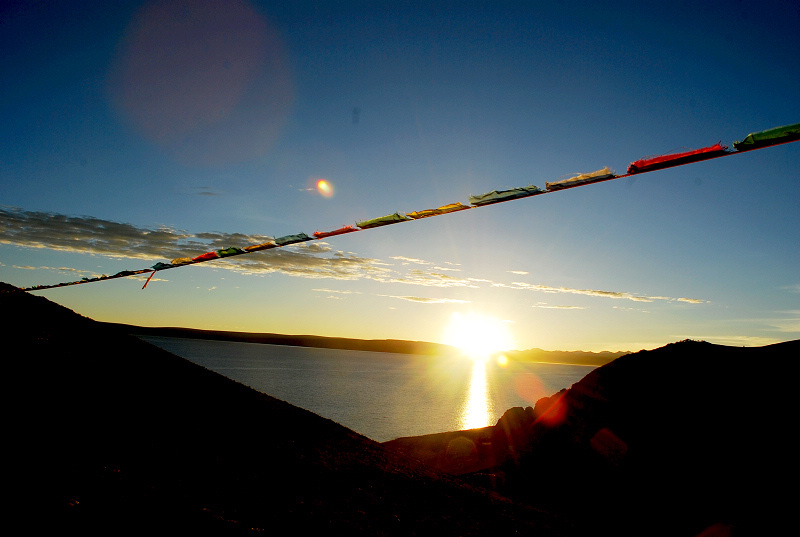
{"x":147,"y":131}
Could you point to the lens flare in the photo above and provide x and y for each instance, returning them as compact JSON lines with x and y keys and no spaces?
{"x":207,"y":82}
{"x":325,"y":188}
{"x":529,"y":387}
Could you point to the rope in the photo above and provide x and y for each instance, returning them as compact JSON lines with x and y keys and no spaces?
{"x":512,"y":194}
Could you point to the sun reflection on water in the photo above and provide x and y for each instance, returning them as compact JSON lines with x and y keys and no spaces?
{"x":478,"y":409}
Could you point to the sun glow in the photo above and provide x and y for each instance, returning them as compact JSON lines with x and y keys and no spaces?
{"x":477,"y":336}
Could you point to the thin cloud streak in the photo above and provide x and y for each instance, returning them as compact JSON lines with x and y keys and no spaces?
{"x":62,"y":269}
{"x":314,"y":259}
{"x":544,"y":305}
{"x":409,"y":260}
{"x":620,"y":295}
{"x":425,"y":300}
{"x":433,"y":279}
{"x":787,"y":321}
{"x":337,"y":291}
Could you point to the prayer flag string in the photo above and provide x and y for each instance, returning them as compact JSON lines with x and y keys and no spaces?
{"x":756,"y":140}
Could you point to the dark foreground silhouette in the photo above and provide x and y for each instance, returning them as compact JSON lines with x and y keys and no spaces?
{"x":112,"y":436}
{"x":688,"y":439}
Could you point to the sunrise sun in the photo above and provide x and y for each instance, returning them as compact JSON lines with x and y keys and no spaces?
{"x":477,"y":336}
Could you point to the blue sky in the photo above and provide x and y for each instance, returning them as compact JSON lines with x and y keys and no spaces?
{"x":148,"y":131}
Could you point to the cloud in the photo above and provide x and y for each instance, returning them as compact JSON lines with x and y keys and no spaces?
{"x":93,"y":235}
{"x":432,"y":279}
{"x":84,"y":234}
{"x":62,"y":269}
{"x":621,"y":308}
{"x":780,"y":326}
{"x":408,"y":260}
{"x":311,"y":262}
{"x":73,"y":272}
{"x":519,"y":272}
{"x":313,"y":259}
{"x":425,"y":300}
{"x":790,"y":326}
{"x":335,"y":294}
{"x":544,"y":305}
{"x":589,"y":292}
{"x":413,"y":261}
{"x":337,"y":291}
{"x":205,"y":191}
{"x":783,"y":321}
{"x":619,"y":295}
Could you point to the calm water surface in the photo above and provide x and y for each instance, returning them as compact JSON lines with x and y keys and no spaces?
{"x":381,"y":395}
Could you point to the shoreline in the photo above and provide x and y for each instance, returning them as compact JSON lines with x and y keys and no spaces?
{"x":395,"y":346}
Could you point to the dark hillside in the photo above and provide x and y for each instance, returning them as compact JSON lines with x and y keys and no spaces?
{"x":667,"y":442}
{"x":114,"y":436}
{"x":681,"y":440}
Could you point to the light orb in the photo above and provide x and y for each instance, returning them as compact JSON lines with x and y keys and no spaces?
{"x":325,"y":188}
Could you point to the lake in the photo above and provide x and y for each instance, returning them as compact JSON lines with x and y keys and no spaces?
{"x":381,"y":395}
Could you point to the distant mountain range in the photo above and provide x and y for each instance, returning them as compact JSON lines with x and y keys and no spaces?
{"x":372,"y":345}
